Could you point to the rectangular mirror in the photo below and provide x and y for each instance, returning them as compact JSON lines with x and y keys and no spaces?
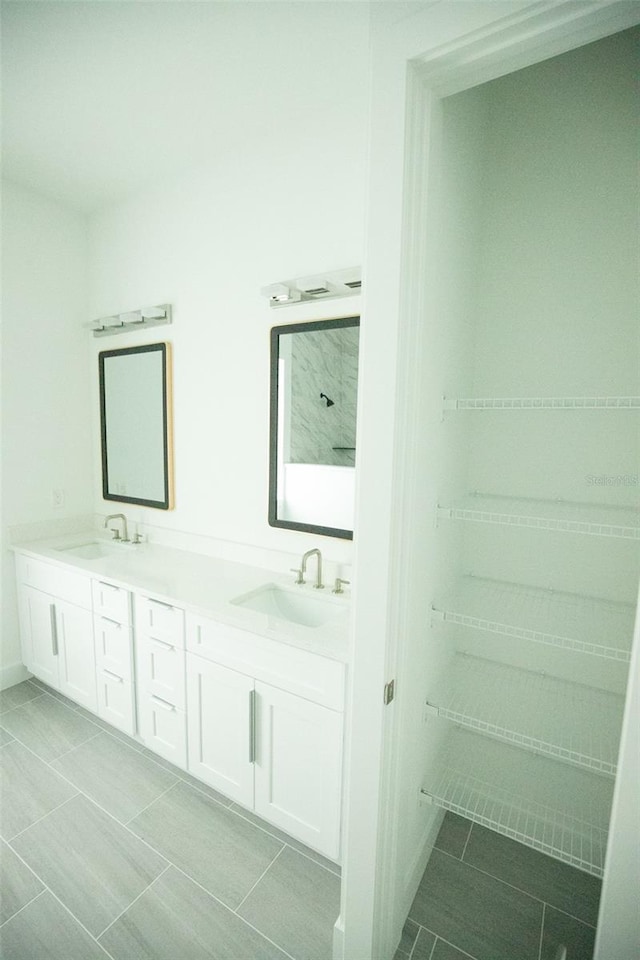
{"x":314,"y":387}
{"x":135,"y":425}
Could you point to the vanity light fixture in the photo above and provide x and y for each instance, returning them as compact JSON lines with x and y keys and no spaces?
{"x":325,"y":286}
{"x":281,"y":293}
{"x":132,"y":320}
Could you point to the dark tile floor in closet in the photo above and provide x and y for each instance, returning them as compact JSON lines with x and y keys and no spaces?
{"x":486,"y":897}
{"x":107,"y":851}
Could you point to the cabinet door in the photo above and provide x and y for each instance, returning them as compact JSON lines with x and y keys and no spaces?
{"x":160,"y":666}
{"x":162,"y":727}
{"x":220,"y":728}
{"x":39,"y":634}
{"x":116,"y":700}
{"x":76,"y":655}
{"x":113,"y":646}
{"x":298,"y":769}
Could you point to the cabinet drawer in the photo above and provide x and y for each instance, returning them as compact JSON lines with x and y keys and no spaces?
{"x":57,"y":581}
{"x":161,"y":670}
{"x":111,"y":602}
{"x":163,"y":728}
{"x":116,"y":701}
{"x":301,"y":672}
{"x":161,"y":620}
{"x":113,"y":647}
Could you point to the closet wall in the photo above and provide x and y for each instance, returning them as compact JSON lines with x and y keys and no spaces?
{"x":527,"y":655}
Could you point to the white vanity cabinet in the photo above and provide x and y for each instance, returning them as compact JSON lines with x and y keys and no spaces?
{"x":56,"y":628}
{"x":265,"y":727}
{"x":114,"y":662}
{"x":257,"y":718}
{"x":160,"y":670}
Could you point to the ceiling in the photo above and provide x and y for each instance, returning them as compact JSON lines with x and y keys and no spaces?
{"x":103,"y":98}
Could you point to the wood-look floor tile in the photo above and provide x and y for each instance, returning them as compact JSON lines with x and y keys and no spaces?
{"x":92,"y":863}
{"x":423,"y":945}
{"x":183,"y":775}
{"x":559,"y":884}
{"x":44,"y":930}
{"x":29,"y":789}
{"x":5,"y":737}
{"x":410,"y":932}
{"x":296,"y":904}
{"x":18,"y":885}
{"x":45,"y":688}
{"x":48,"y":727}
{"x":119,"y":779}
{"x":207,"y":841}
{"x":484,"y":917}
{"x":286,"y":838}
{"x":453,"y":834}
{"x":176,"y":920}
{"x":445,"y":951}
{"x":17,"y":695}
{"x":559,"y":928}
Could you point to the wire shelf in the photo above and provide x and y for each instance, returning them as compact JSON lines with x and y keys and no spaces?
{"x":553,"y":807}
{"x":585,"y":624}
{"x":542,"y":403}
{"x":560,"y":515}
{"x":568,"y":721}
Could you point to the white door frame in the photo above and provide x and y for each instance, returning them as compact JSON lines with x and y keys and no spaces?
{"x":447,"y":47}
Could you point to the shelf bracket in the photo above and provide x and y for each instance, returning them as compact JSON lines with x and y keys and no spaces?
{"x":425,"y":797}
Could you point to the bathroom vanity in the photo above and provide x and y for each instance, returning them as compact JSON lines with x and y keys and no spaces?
{"x":230,"y":673}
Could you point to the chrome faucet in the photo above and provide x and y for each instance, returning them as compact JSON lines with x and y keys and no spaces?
{"x":116,"y":533}
{"x":318,"y":585}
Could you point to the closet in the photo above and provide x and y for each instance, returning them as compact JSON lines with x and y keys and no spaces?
{"x":536,"y":535}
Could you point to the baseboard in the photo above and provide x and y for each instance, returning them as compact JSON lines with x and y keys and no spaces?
{"x":14,"y":673}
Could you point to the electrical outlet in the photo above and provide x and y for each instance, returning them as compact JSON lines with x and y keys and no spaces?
{"x":57,"y":498}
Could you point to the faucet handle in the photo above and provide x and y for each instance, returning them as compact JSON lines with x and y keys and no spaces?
{"x":337,"y":587}
{"x":299,"y":577}
{"x":115,"y":533}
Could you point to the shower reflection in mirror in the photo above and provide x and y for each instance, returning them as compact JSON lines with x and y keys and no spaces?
{"x":314,"y":387}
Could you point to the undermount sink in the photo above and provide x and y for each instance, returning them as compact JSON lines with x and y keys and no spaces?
{"x":292,"y":604}
{"x":89,"y":550}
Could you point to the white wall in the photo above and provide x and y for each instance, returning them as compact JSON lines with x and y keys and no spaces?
{"x":286,"y":206}
{"x":46,"y":426}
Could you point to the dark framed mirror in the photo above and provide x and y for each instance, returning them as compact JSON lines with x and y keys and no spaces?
{"x":314,"y":388}
{"x":135,"y":424}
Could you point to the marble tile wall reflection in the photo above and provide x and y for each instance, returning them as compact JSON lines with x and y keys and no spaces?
{"x":324,"y":361}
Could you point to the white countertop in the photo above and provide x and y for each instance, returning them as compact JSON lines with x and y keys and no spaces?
{"x":201,"y":584}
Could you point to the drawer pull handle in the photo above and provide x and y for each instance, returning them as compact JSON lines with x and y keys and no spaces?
{"x":113,"y":676}
{"x":109,"y":586}
{"x":252,"y":726}
{"x":163,"y":703}
{"x":162,"y":643}
{"x":160,"y":603}
{"x":54,"y":629}
{"x":114,"y":623}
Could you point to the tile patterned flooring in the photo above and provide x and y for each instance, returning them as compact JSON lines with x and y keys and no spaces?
{"x":107,"y":851}
{"x":485,"y":897}
{"x":110,"y":852}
